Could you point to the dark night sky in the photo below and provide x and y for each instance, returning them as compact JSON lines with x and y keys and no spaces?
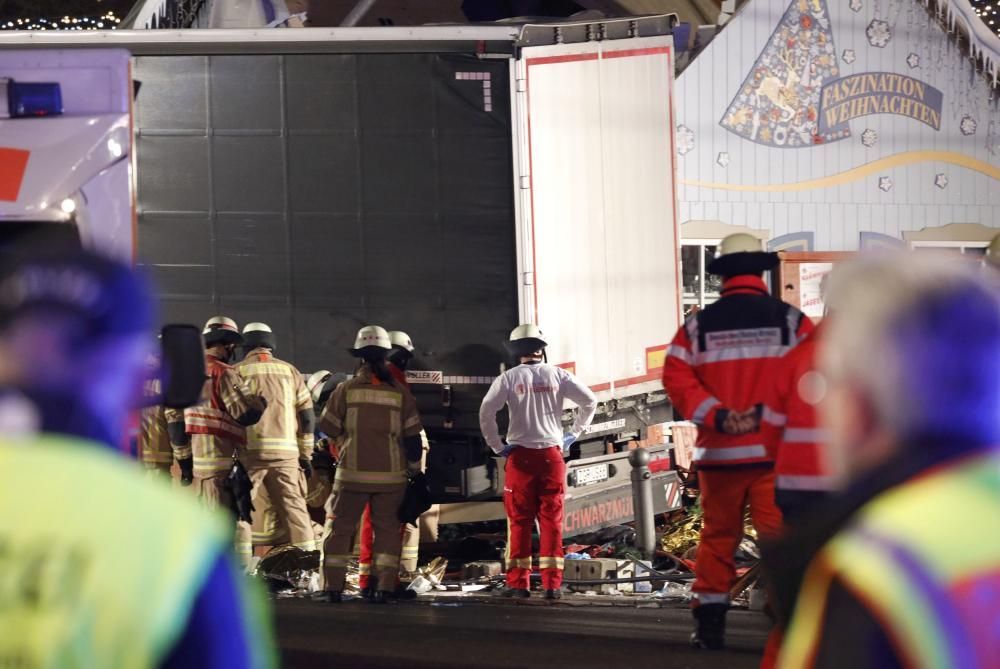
{"x":14,"y":9}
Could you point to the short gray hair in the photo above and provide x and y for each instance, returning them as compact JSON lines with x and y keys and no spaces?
{"x":921,"y":334}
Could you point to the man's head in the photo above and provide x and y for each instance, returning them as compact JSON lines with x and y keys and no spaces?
{"x":912,"y":359}
{"x":75,"y":329}
{"x":222,"y":336}
{"x":527,"y":343}
{"x":258,"y":335}
{"x":402,"y":349}
{"x":740,"y":254}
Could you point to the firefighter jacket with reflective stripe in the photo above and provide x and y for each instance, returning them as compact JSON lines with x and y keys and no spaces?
{"x":722,"y":359}
{"x":154,"y":442}
{"x":279,"y":436}
{"x":215,"y":434}
{"x":791,"y":410}
{"x":368,"y":419}
{"x":73,"y":595}
{"x":937,"y":607}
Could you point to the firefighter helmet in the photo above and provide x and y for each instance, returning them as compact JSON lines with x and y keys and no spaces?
{"x":741,"y":253}
{"x":371,"y":341}
{"x":257,"y":335}
{"x":526,"y":339}
{"x":400,"y":339}
{"x":221,"y":330}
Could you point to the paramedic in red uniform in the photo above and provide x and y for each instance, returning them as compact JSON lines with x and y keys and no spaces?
{"x":534,"y":393}
{"x":717,"y":374}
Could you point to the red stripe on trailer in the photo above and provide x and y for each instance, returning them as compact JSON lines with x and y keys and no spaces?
{"x":13,"y":162}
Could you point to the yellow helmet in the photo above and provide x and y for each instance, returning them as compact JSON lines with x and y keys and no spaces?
{"x":741,"y":253}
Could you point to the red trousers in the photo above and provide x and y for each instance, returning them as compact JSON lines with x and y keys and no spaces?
{"x":725,"y":494}
{"x":365,"y":551}
{"x":534,"y":489}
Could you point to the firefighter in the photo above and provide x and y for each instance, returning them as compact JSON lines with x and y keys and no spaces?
{"x":278,"y":448}
{"x":717,"y":374}
{"x":375,"y":421}
{"x":206,"y":436}
{"x":901,"y":568}
{"x":155,"y":451}
{"x":533,"y":393}
{"x":103,"y":568}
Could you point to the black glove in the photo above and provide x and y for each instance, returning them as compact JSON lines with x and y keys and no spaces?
{"x":187,"y":471}
{"x":306,"y":467}
{"x":321,"y":459}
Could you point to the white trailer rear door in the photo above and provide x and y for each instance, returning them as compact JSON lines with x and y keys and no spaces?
{"x":598,"y":232}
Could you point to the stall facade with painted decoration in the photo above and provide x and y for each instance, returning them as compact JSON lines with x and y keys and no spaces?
{"x":838,"y":125}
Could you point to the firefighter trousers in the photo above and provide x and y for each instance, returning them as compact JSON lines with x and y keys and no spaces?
{"x":534,"y":489}
{"x":279,"y":491}
{"x":346,"y":509}
{"x":725,"y":495}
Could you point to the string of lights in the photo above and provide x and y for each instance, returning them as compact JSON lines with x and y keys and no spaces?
{"x":107,"y":21}
{"x":989,"y":12}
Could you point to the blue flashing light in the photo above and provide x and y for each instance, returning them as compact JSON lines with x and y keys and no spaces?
{"x":33,"y":99}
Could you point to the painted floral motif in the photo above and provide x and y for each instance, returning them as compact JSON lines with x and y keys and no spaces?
{"x":941,"y":181}
{"x":849,"y":56}
{"x":885,"y":183}
{"x":723,"y":158}
{"x":913,"y":60}
{"x":878,"y":33}
{"x":778,"y":103}
{"x":869,"y":137}
{"x":968,"y":125}
{"x":685,"y":139}
{"x":855,"y":5}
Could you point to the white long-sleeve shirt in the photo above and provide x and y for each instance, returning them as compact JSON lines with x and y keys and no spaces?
{"x":534,"y":394}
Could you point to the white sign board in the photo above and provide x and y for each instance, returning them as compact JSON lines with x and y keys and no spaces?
{"x":810,"y":287}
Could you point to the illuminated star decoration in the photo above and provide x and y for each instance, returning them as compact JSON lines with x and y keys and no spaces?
{"x":856,"y":6}
{"x":723,"y":158}
{"x":869,"y":137}
{"x":968,"y":125}
{"x":941,"y":181}
{"x":885,"y":183}
{"x":849,"y":56}
{"x":685,"y":139}
{"x":913,"y":60}
{"x":878,"y":33}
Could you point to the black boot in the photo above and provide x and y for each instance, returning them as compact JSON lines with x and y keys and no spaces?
{"x":369,"y":591}
{"x":515,"y":593}
{"x":329,"y":597}
{"x":554,"y":593}
{"x":710,"y":631}
{"x":381,"y":597}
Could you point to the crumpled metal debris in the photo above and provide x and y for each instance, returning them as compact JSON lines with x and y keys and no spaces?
{"x":674,"y":590}
{"x":288,"y":568}
{"x":429,"y":576}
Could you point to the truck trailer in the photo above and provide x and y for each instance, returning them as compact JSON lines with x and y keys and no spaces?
{"x":446,"y":181}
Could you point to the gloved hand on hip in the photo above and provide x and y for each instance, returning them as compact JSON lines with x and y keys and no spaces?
{"x":187,"y":471}
{"x":306,"y":467}
{"x":567,"y":442}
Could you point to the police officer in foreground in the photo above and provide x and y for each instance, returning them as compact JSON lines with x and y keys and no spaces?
{"x":374,"y":420}
{"x":901,"y":569}
{"x":112,"y":569}
{"x":535,"y":483}
{"x":717,"y":374}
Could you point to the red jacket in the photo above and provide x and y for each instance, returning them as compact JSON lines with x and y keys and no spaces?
{"x":800,"y":463}
{"x":398,"y":374}
{"x":721,"y":360}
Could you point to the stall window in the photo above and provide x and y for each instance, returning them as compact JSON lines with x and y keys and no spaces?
{"x":700,"y":287}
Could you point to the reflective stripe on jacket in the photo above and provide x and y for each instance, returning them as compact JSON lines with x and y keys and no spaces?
{"x":215,"y":434}
{"x":277,"y":437}
{"x":791,"y":409}
{"x":938,"y":608}
{"x":722,"y":358}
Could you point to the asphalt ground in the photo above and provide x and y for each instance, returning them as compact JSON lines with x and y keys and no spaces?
{"x":488,"y":634}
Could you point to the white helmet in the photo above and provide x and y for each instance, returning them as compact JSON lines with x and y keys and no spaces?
{"x":371,"y":338}
{"x":526,"y":339}
{"x":221,"y":330}
{"x":741,"y":253}
{"x":400,"y":339}
{"x":315,"y":382}
{"x":258,"y":334}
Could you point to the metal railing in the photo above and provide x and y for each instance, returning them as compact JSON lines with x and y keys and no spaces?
{"x":168,"y":14}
